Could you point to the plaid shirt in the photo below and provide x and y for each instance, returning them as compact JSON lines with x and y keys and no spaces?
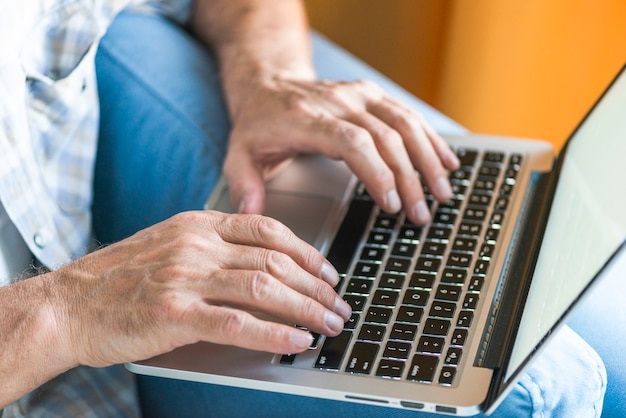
{"x":48,"y":133}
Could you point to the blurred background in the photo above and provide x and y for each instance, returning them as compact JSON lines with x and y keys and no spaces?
{"x":521,"y":68}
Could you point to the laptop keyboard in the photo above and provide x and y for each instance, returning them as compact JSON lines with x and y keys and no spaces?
{"x":414,"y":289}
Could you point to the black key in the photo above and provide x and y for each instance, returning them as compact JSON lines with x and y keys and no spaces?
{"x":372,"y":254}
{"x":464,"y":245}
{"x":411,"y":314}
{"x":398,"y":265}
{"x":397,"y":349}
{"x":485,"y":184}
{"x":453,"y":205}
{"x":501,"y":204}
{"x":403,"y":332}
{"x":384,"y":221}
{"x":470,"y":301}
{"x":467,"y":157}
{"x":479,"y":199}
{"x":372,"y":332}
{"x":423,"y":280}
{"x":486,"y":251}
{"x":415,"y":297}
{"x":390,"y":368}
{"x":448,"y":292}
{"x":435,"y":249}
{"x":447,"y":375}
{"x":422,"y":368}
{"x":496,"y":218}
{"x":349,"y":234}
{"x":316,"y":340}
{"x":365,"y":269}
{"x":462,"y":175}
{"x":489,"y":171}
{"x":385,"y":297}
{"x":465,"y":319}
{"x":516,"y":159}
{"x":362,"y":358}
{"x":481,"y":267}
{"x":475,"y":284}
{"x":428,"y":344}
{"x":428,"y":264}
{"x":360,"y":286}
{"x":287,"y":359}
{"x":410,"y":233}
{"x":356,"y":302}
{"x":351,"y":323}
{"x":378,"y":315}
{"x":442,"y":309}
{"x":391,"y":281}
{"x":492,"y":235}
{"x":333,"y":350}
{"x":461,"y":260}
{"x":439,"y":233}
{"x":403,"y":249}
{"x":458,"y":188}
{"x":469,"y":229}
{"x":459,"y":336}
{"x":453,"y":356}
{"x":474,"y":214}
{"x":444,"y":218}
{"x":379,"y":238}
{"x":506,"y":189}
{"x":434,"y":326}
{"x":451,"y":275}
{"x":493,"y":157}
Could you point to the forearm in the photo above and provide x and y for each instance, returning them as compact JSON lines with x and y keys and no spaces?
{"x":255,"y":41}
{"x":30,"y":348}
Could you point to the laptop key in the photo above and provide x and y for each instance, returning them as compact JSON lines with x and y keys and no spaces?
{"x":423,"y":368}
{"x":390,"y":368}
{"x":333,"y":350}
{"x":397,"y":349}
{"x":362,"y":358}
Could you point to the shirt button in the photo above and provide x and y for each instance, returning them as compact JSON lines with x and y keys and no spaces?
{"x":40,"y":239}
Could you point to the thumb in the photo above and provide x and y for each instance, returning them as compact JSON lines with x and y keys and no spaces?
{"x":245,"y":183}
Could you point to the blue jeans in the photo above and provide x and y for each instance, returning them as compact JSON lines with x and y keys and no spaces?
{"x":163,"y":138}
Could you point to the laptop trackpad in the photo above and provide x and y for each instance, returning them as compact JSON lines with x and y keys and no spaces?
{"x":305,"y":215}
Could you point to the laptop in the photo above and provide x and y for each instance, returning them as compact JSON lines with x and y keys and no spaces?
{"x":446,"y":316}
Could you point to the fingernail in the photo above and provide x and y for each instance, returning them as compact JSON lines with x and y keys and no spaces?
{"x":444,"y":191}
{"x":393,"y":201}
{"x":241,"y":207}
{"x":333,"y":321}
{"x":421,"y":212}
{"x":329,"y":274}
{"x":343,"y":309}
{"x":301,"y":339}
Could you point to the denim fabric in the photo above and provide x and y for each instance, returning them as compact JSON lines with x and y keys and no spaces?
{"x":162,"y":140}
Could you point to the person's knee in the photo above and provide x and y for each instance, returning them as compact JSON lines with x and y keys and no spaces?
{"x":568,"y":379}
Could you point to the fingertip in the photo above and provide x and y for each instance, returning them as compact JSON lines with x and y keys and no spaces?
{"x":300,"y":339}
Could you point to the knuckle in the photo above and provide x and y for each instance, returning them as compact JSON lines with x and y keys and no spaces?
{"x":277,"y":261}
{"x":261,"y":287}
{"x":355,"y":137}
{"x":233,"y":324}
{"x":269,"y":229}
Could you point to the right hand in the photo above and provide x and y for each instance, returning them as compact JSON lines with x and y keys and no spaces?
{"x":195,"y":277}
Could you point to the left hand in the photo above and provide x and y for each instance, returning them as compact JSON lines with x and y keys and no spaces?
{"x":382,"y":140}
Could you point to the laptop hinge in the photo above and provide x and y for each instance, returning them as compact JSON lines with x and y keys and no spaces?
{"x":517,"y":272}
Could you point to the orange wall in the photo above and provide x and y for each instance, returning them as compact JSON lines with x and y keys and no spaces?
{"x":528,"y":68}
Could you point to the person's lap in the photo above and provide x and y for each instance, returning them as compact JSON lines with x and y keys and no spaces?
{"x":163,"y":137}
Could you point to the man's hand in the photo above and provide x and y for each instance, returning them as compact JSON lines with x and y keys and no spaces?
{"x":195,"y":277}
{"x":381,"y":140}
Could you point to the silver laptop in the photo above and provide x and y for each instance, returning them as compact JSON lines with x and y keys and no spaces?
{"x":448,"y":315}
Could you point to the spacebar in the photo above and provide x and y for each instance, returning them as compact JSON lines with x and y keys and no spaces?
{"x":349,"y":235}
{"x":333,"y":351}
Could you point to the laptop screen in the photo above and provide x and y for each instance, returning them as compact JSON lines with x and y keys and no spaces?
{"x":587,"y":222}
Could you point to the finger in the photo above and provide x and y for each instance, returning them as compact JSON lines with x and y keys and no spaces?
{"x":283,"y":268}
{"x":223,"y":325}
{"x":264,"y":232}
{"x":260,"y":292}
{"x":245,"y":181}
{"x":419,"y":144}
{"x":391,"y":148}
